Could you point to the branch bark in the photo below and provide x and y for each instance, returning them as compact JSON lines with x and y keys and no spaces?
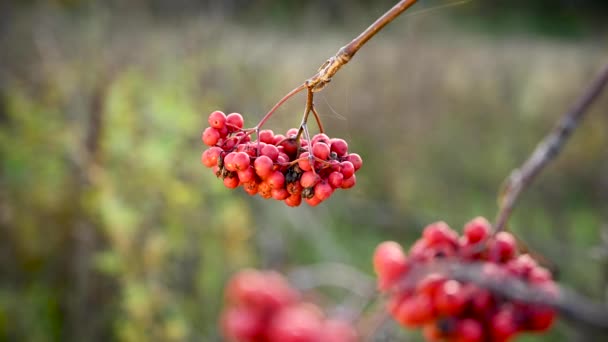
{"x":547,"y":150}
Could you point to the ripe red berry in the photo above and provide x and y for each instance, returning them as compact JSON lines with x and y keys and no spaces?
{"x":304,"y":162}
{"x":292,"y":132}
{"x":266,"y":136}
{"x":294,"y":200}
{"x":450,"y":298}
{"x":270,"y":151}
{"x":309,"y":179}
{"x":339,"y":146}
{"x":477,"y":229}
{"x":241,"y":161}
{"x":390,"y":264}
{"x":279,"y":194}
{"x":234,"y":122}
{"x":323,"y":190}
{"x":313,"y":201}
{"x":321,"y":137}
{"x":347,"y":169}
{"x":210,"y":136}
{"x":217,"y":119}
{"x":321,"y":150}
{"x":348,"y":183}
{"x":502,"y":325}
{"x":247,"y":175}
{"x":231,"y":182}
{"x":242,"y":324}
{"x":301,"y":323}
{"x":503,"y":247}
{"x":415,"y":311}
{"x":263,"y":166}
{"x":439,"y":233}
{"x":356,"y":160}
{"x":469,"y":330}
{"x":276,"y":180}
{"x":210,"y":156}
{"x":335,"y":179}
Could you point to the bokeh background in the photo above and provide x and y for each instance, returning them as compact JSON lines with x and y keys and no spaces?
{"x":112,"y":230}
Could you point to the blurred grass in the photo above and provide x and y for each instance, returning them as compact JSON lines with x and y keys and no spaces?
{"x":112,"y":230}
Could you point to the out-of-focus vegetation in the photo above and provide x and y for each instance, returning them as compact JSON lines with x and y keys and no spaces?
{"x":111,"y":229}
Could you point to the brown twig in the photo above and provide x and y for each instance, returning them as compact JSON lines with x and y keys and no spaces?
{"x":325,"y":73}
{"x":546,"y":150}
{"x":346,"y":53}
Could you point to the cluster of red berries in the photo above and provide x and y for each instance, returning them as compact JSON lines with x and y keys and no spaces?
{"x":262,"y":307}
{"x":278,"y":166}
{"x":450,"y":310}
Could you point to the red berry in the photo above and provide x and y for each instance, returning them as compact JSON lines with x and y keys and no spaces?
{"x":321,"y":150}
{"x":229,"y":161}
{"x":210,"y":156}
{"x":276,"y":180}
{"x":270,"y":151}
{"x":292,"y":132}
{"x":293,"y":200}
{"x":231,"y":182}
{"x":390,"y":264}
{"x":234,"y":122}
{"x":321,"y":137}
{"x":356,"y":160}
{"x":477,"y":229}
{"x":502,"y":325}
{"x":335,"y":179}
{"x":450,"y":298}
{"x":299,"y":323}
{"x":309,"y":179}
{"x":263,"y":166}
{"x":415,"y":311}
{"x":294,"y":188}
{"x":217,"y":119}
{"x":503,"y":247}
{"x":279,"y":194}
{"x":541,"y":318}
{"x":347,"y":169}
{"x":339,"y":146}
{"x":440,"y":233}
{"x":348,"y":183}
{"x":469,"y":330}
{"x":246,"y":175}
{"x":241,"y":161}
{"x":277,"y":139}
{"x":210,"y":136}
{"x":304,"y":162}
{"x":250,"y":187}
{"x":313,"y":201}
{"x":323,"y":190}
{"x":266,"y":136}
{"x":265,"y":190}
{"x":242,"y":324}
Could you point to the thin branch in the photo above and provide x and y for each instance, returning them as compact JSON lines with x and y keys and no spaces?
{"x":547,"y":150}
{"x":318,"y":119}
{"x":568,"y":303}
{"x":344,"y":55}
{"x":278,"y":104}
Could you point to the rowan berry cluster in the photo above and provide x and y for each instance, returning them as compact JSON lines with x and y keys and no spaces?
{"x":262,"y":307}
{"x":450,"y":310}
{"x":284,"y":167}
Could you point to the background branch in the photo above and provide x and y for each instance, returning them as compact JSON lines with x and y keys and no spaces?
{"x":547,"y":150}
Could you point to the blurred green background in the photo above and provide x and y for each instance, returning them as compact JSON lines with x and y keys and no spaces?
{"x":111,"y":229}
